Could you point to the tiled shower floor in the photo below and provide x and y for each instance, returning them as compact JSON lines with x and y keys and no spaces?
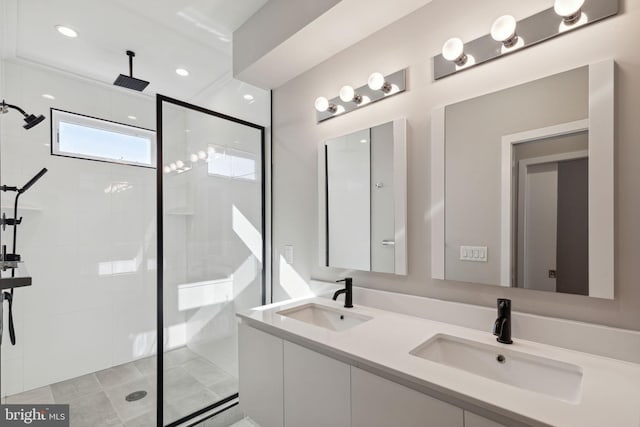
{"x":98,"y":399}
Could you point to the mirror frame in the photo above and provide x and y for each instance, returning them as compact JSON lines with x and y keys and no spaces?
{"x":399,"y":192}
{"x":600,"y":125}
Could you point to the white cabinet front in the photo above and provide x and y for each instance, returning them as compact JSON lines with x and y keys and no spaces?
{"x":377,"y":402}
{"x":473,"y":420}
{"x":260,"y":382}
{"x":316,"y":389}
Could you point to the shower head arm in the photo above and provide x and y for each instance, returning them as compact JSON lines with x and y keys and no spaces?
{"x":131,"y":54}
{"x":4,"y":106}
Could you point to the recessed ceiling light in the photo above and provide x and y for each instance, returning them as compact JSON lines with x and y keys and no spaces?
{"x":66,"y":31}
{"x":47,"y":96}
{"x":248,"y":97}
{"x":132,"y":117}
{"x":182,"y":72}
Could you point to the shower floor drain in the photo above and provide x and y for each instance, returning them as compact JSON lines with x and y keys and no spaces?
{"x":136,"y":395}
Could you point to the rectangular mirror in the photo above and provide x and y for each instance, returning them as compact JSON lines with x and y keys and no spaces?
{"x":362,"y":197}
{"x":522,"y":185}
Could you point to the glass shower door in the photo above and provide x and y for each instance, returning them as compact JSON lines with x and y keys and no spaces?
{"x":211,"y":251}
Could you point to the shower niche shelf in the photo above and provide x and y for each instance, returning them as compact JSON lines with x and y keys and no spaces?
{"x":180,"y":212}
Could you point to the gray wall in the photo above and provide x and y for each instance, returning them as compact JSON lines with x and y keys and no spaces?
{"x":411,"y":42}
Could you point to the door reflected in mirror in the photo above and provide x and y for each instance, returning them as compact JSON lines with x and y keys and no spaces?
{"x":363,"y":200}
{"x":551,"y":215}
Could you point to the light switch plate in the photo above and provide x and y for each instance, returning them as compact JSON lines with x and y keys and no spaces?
{"x":473,"y":253}
{"x":288,"y":254}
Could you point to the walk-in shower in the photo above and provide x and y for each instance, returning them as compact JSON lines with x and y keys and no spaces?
{"x":137,"y":269}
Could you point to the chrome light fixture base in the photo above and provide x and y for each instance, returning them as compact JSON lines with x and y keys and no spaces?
{"x":393,"y":84}
{"x":530,"y":31}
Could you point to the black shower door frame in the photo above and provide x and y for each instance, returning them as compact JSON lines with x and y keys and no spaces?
{"x":160,"y":100}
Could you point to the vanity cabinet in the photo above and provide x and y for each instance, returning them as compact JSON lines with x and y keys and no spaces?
{"x":283,"y":384}
{"x":378,"y":402}
{"x":316,"y":389}
{"x":261,"y":382}
{"x":473,"y":420}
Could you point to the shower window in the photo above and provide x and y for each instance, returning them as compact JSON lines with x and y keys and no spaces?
{"x":231,"y":163}
{"x":78,"y":136}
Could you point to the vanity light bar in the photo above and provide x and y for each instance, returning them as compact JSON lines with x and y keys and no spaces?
{"x":378,"y":87}
{"x":509,"y":36}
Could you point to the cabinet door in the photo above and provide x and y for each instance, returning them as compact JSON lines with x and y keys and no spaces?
{"x":316,"y":389}
{"x":377,"y":402}
{"x":473,"y":420}
{"x":260,"y":382}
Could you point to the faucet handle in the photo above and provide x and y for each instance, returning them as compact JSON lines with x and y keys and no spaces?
{"x":346,"y":280}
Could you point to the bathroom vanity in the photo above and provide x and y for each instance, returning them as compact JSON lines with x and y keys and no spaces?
{"x":314,"y":363}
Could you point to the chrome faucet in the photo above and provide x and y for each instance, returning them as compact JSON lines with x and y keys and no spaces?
{"x":347,"y":291}
{"x":502,"y":327}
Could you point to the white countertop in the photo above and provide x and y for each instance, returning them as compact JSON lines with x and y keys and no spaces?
{"x":610,"y":387}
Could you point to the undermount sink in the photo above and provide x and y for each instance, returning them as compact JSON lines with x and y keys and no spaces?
{"x":553,"y":378}
{"x":325,"y":317}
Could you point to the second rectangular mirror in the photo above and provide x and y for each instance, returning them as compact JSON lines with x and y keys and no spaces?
{"x":522,"y":185}
{"x":362,"y":189}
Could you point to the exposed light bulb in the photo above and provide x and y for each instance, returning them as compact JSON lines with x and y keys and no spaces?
{"x":322,"y":104}
{"x":504,"y":30}
{"x":167,"y":169}
{"x":453,"y":50}
{"x":202,"y":155}
{"x":569,"y":10}
{"x":193,"y":158}
{"x":376,"y":81}
{"x":180,"y":164}
{"x":173,"y":166}
{"x":347,"y":93}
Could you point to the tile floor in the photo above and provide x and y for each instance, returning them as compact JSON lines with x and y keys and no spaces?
{"x":98,"y":399}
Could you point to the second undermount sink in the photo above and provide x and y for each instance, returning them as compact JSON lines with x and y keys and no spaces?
{"x":553,"y":378}
{"x":325,"y":317}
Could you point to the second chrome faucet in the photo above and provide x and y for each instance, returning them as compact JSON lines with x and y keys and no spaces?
{"x":502,"y":327}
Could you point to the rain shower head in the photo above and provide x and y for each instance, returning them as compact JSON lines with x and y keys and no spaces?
{"x":30,"y":119}
{"x":129,"y":81}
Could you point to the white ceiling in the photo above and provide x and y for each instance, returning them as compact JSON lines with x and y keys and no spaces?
{"x":165,"y":35}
